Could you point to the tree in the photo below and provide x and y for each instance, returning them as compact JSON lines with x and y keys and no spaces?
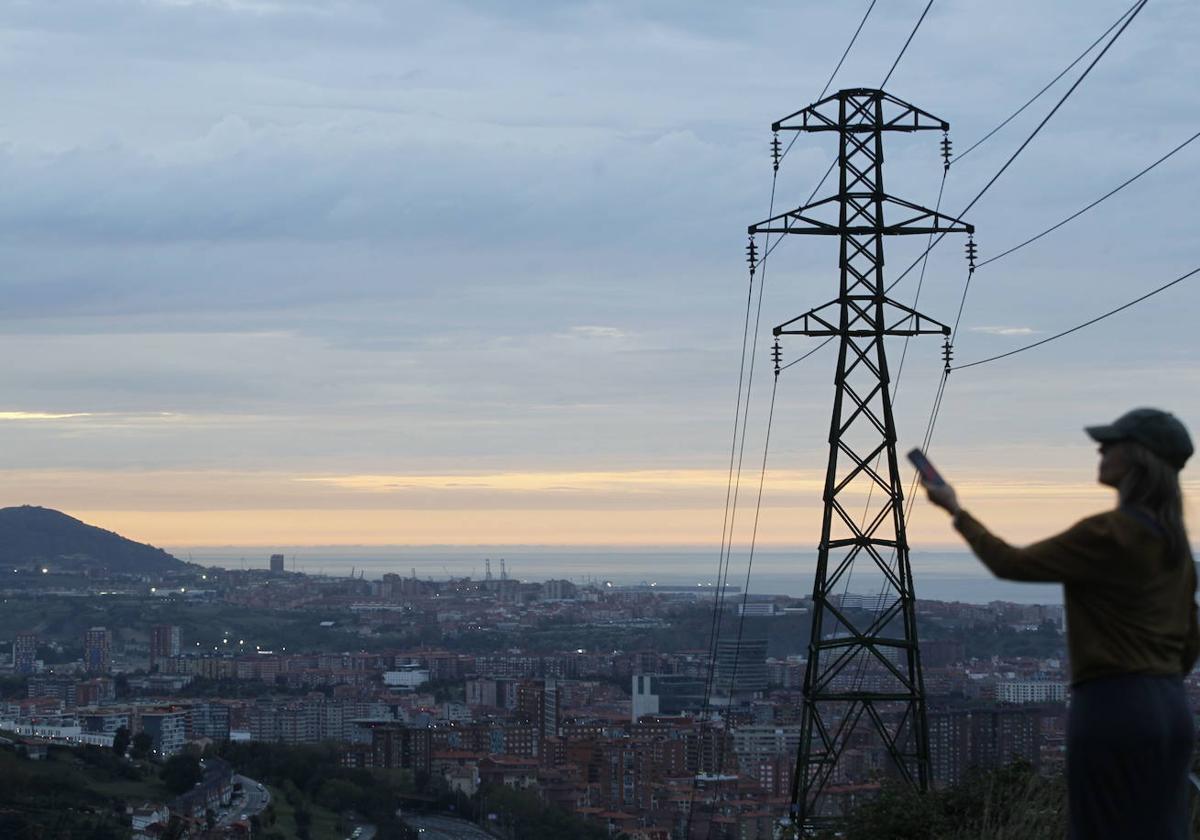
{"x":181,"y":772}
{"x":339,"y":795}
{"x":1007,"y":802}
{"x":142,"y":744}
{"x":121,"y":740}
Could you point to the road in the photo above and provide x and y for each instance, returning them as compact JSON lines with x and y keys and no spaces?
{"x":447,"y":828}
{"x":251,"y":801}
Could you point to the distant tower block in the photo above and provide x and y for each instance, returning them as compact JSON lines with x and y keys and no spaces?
{"x":97,"y":650}
{"x":276,"y":562}
{"x":25,"y":653}
{"x":164,"y":643}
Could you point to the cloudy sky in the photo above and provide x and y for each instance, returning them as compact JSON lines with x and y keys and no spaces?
{"x":471,"y":272}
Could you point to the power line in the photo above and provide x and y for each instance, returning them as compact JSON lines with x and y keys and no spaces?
{"x":853,"y":38}
{"x":1047,"y":87}
{"x":941,"y":392}
{"x":911,"y":35}
{"x":895,"y":63}
{"x":1102,"y":198}
{"x":829,"y":82}
{"x":806,"y":355}
{"x":1141,"y":4}
{"x":1078,"y":327}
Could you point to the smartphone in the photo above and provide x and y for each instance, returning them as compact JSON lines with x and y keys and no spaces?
{"x":925,"y":468}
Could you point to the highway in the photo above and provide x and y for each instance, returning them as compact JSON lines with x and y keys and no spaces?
{"x":447,"y":828}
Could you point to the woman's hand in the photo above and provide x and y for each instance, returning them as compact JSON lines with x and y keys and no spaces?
{"x":943,"y":496}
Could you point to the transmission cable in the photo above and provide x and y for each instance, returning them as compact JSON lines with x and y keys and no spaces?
{"x":853,"y":38}
{"x":937,"y":404}
{"x":1047,"y":87}
{"x":1146,"y":170}
{"x":911,"y":35}
{"x":833,"y":163}
{"x":1079,"y":327}
{"x":1141,"y":4}
{"x":829,"y":82}
{"x":1102,"y":198}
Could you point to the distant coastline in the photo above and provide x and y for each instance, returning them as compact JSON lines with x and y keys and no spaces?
{"x":939,"y":574}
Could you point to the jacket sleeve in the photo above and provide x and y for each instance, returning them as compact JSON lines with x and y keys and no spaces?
{"x":1077,"y":554}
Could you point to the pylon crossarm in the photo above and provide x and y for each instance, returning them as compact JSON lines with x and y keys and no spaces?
{"x":903,"y":116}
{"x":842,"y":642}
{"x":827,"y":327}
{"x":941,"y":222}
{"x":918,"y":325}
{"x":861,"y":542}
{"x":866,"y":696}
{"x":854,"y":646}
{"x":904,"y":322}
{"x":791,"y":220}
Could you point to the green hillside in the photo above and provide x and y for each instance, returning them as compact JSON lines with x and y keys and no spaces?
{"x":36,"y":536}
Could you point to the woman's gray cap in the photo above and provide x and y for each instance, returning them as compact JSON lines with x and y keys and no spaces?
{"x":1159,"y":431}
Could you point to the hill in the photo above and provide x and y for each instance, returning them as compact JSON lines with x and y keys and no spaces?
{"x":31,"y":536}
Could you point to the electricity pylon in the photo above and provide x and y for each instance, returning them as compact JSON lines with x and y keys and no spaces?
{"x":875,"y":635}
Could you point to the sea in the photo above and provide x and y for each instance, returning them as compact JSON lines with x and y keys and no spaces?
{"x":939,"y":575}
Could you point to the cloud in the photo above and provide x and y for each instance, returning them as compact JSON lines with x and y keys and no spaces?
{"x":594,"y":332}
{"x":40,"y":415}
{"x":386,"y":240}
{"x":1004,"y":330}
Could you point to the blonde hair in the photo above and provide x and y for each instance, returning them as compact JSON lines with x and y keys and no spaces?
{"x":1153,"y":485}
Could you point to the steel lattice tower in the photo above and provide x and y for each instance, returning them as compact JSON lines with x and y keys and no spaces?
{"x":862,"y":656}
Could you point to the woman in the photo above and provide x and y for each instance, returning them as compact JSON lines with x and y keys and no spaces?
{"x":1130,"y":585}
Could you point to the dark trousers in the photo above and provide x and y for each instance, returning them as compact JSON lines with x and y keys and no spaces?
{"x":1129,"y":749}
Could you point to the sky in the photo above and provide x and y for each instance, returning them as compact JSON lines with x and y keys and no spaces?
{"x":397,"y":273}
